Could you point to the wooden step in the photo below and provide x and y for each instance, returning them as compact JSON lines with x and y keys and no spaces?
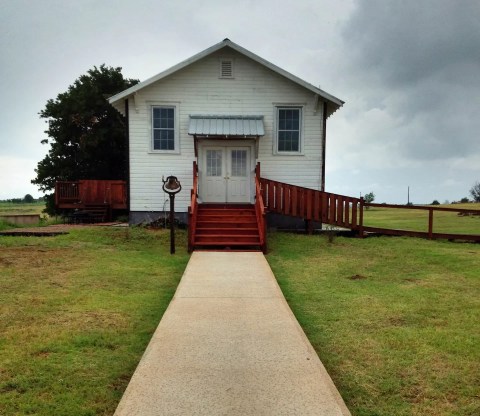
{"x":247,"y":238}
{"x":226,"y":226}
{"x":226,"y":244}
{"x":226,"y":223}
{"x":226,"y":212}
{"x":227,"y":231}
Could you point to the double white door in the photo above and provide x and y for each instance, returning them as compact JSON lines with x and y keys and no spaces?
{"x":225,"y":174}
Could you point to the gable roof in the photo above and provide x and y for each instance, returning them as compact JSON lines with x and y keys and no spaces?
{"x":333,"y":102}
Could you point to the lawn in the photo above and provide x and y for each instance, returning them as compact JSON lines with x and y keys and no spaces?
{"x":76,"y":313}
{"x":417,"y":220}
{"x":395,"y":320}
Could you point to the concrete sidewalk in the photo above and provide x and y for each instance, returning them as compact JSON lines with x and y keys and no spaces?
{"x":228,"y":344}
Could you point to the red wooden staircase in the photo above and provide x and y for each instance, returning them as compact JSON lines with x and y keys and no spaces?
{"x":222,"y":226}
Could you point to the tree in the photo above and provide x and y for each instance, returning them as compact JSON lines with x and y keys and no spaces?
{"x":369,"y":198}
{"x":86,"y":134}
{"x":28,"y":199}
{"x":464,"y":200}
{"x":435,"y":202}
{"x":475,"y":192}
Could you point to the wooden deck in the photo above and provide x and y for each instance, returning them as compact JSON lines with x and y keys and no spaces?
{"x":90,"y":201}
{"x":79,"y":194}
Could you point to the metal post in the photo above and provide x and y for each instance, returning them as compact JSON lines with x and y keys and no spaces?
{"x":172,"y":223}
{"x":172,"y":186}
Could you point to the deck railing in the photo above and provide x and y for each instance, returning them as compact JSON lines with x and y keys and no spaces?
{"x":193,"y":209}
{"x":429,"y":233}
{"x":67,"y":191}
{"x":312,"y":205}
{"x":344,"y":211}
{"x":260,"y":210}
{"x":91,"y":191}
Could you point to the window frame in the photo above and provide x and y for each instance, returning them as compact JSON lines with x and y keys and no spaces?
{"x":301,"y":110}
{"x":176,"y":148}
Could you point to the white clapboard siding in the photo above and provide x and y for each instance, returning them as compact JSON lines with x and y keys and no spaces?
{"x":197,"y":89}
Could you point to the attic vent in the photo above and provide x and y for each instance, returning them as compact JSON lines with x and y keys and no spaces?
{"x":226,"y":68}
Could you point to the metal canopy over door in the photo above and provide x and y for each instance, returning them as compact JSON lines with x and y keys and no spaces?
{"x":225,"y":174}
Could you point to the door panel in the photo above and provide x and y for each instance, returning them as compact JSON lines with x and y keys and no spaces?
{"x":238,"y":189}
{"x":214,"y":183}
{"x":226,"y":174}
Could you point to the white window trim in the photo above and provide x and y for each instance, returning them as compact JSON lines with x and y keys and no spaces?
{"x":175,"y":106}
{"x":280,"y":106}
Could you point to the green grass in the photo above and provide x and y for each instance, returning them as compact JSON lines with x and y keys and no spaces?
{"x":76,"y":313}
{"x":8,"y":208}
{"x":394,"y":320}
{"x":417,"y":220}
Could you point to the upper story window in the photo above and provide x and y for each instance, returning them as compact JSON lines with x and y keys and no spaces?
{"x":226,"y":68}
{"x":289,"y":129}
{"x":163,"y":128}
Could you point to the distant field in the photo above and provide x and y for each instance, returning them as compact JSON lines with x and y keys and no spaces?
{"x":8,"y":208}
{"x":417,"y":220}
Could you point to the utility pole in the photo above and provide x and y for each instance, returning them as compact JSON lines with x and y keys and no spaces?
{"x":408,"y":195}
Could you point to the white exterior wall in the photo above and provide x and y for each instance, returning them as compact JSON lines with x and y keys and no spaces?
{"x":197,"y":89}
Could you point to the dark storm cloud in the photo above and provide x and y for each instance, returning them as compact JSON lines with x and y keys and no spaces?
{"x":420,"y":63}
{"x":406,"y":42}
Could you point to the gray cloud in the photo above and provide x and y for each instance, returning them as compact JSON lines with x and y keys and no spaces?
{"x":408,"y":72}
{"x":419,"y":62}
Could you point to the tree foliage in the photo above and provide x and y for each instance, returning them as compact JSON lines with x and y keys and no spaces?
{"x":86,"y":134}
{"x":28,"y":199}
{"x":369,"y":198}
{"x":475,"y":191}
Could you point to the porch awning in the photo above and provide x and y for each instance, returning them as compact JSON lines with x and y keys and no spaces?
{"x":226,"y":126}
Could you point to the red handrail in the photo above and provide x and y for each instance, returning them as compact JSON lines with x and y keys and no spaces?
{"x":260,"y":210}
{"x":312,"y":205}
{"x":193,"y":209}
{"x":343,"y":211}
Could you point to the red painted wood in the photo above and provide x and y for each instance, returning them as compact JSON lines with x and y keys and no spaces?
{"x":309,"y":204}
{"x":354,"y":215}
{"x":294,"y":201}
{"x":332,"y":211}
{"x":340,"y":202}
{"x":91,"y":192}
{"x":278,"y":197}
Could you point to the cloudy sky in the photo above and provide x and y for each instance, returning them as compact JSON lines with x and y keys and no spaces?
{"x":409,"y":72}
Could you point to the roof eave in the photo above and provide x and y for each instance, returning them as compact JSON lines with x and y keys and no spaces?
{"x":165,"y":73}
{"x":224,"y":43}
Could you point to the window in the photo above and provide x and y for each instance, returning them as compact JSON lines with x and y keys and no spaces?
{"x":214,"y":162}
{"x":289,"y":120}
{"x":163,"y":128}
{"x":239,"y":163}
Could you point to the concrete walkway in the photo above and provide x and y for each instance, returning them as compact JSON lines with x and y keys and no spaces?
{"x":228,"y":344}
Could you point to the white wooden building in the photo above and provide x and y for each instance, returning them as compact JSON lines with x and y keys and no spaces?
{"x":227,"y":109}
